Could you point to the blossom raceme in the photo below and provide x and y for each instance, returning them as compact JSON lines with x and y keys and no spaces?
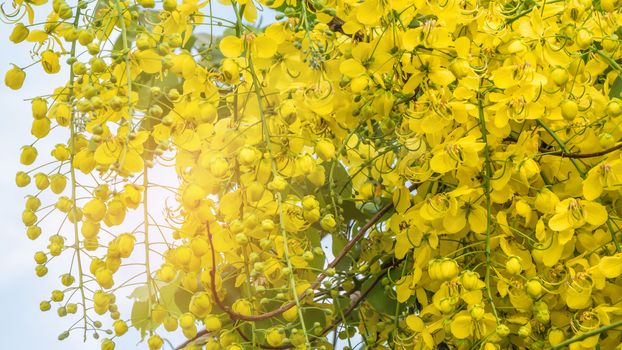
{"x":412,"y":175}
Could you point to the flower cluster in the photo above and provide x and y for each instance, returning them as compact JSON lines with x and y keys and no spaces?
{"x":415,"y":174}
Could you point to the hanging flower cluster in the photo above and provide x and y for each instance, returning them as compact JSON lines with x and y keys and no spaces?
{"x":406,"y":174}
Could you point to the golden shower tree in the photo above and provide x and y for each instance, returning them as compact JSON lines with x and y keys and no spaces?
{"x":400,"y":174}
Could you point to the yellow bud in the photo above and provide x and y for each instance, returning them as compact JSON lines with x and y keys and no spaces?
{"x":50,"y":62}
{"x":470,"y":280}
{"x":40,"y":258}
{"x":33,"y":232}
{"x":155,"y":342}
{"x":449,"y":269}
{"x":41,"y":181}
{"x":107,"y":344}
{"x":254,"y":191}
{"x":28,"y":155}
{"x":274,"y":336}
{"x":318,"y":176}
{"x":85,"y":37}
{"x":513,"y":265}
{"x":533,"y":288}
{"x":120,"y":327}
{"x":95,"y":210}
{"x":186,"y":320}
{"x":328,"y":222}
{"x":247,"y":156}
{"x":219,"y":167}
{"x":583,"y":38}
{"x":569,"y":109}
{"x":559,"y":76}
{"x":33,"y":203}
{"x":170,"y":323}
{"x":460,"y":68}
{"x":125,"y":244}
{"x":325,"y":150}
{"x":22,"y":179}
{"x":104,"y":278}
{"x":14,"y":78}
{"x":40,"y":128}
{"x":242,"y":307}
{"x":61,"y":152}
{"x":278,"y":183}
{"x":477,"y":312}
{"x":166,"y":273}
{"x":63,"y":204}
{"x":58,"y":182}
{"x":169,"y":5}
{"x":29,"y":218}
{"x":212,"y":323}
{"x":39,"y":108}
{"x":19,"y":33}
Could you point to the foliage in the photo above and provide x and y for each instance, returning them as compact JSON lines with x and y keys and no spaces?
{"x":403,"y":174}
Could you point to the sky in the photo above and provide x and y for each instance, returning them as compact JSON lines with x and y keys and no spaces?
{"x":22,"y":325}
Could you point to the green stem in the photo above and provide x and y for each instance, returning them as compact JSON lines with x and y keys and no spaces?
{"x":266,"y":136}
{"x":587,"y":335}
{"x":486,"y":184}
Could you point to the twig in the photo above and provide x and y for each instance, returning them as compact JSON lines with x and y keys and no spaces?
{"x":582,"y":155}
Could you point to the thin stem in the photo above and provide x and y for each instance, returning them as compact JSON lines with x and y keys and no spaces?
{"x":587,"y":335}
{"x":72,"y":152}
{"x":486,"y":184}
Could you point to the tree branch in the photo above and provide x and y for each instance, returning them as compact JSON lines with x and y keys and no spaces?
{"x":276,"y":312}
{"x":583,"y":155}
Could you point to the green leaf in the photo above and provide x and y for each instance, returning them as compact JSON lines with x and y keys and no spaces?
{"x":140,"y":293}
{"x":338,"y":244}
{"x":141,"y":319}
{"x":616,"y":88}
{"x":378,"y":298}
{"x":182,"y":299}
{"x":351,"y":212}
{"x":341,"y":178}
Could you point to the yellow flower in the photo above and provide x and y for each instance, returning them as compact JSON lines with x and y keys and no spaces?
{"x":450,"y":155}
{"x":572,"y":213}
{"x":14,"y":78}
{"x":605,"y":176}
{"x":49,"y":61}
{"x":425,"y":68}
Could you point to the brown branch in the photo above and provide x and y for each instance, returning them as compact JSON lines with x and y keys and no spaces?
{"x":253,"y":318}
{"x":582,"y":155}
{"x":355,"y":302}
{"x":276,"y":312}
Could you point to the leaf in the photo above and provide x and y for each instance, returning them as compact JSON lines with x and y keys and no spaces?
{"x":351,"y":212}
{"x":182,"y":299}
{"x":341,"y":179}
{"x":140,"y":293}
{"x":378,"y":299}
{"x":140,"y":318}
{"x":616,"y":88}
{"x":338,"y":244}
